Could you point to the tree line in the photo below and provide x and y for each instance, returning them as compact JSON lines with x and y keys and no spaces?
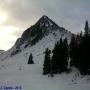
{"x":78,"y":51}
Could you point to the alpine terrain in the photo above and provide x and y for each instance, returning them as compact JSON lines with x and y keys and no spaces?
{"x":14,"y":70}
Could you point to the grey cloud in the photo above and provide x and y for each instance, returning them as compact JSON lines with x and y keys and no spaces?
{"x":67,"y":13}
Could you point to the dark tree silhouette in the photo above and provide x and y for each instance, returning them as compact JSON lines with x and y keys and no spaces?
{"x":60,"y":56}
{"x":86,"y":28}
{"x":84,"y":55}
{"x":73,"y":51}
{"x":30,"y":61}
{"x":65,"y":54}
{"x":80,"y":51}
{"x":47,"y":65}
{"x":55,"y":59}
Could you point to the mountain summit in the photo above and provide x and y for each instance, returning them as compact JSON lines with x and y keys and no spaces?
{"x":42,"y":28}
{"x":45,"y":21}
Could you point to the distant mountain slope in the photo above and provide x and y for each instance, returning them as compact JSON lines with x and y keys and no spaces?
{"x":44,"y":27}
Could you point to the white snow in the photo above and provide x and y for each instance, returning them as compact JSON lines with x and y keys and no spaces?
{"x":14,"y":71}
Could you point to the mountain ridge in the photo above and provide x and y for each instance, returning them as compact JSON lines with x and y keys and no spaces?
{"x":44,"y":27}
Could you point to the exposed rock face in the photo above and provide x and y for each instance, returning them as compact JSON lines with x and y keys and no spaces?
{"x":43,"y":27}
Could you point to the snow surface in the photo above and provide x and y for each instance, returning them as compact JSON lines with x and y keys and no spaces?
{"x":15,"y":71}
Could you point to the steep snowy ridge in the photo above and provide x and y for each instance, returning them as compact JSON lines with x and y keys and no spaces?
{"x":43,"y":27}
{"x":15,"y":71}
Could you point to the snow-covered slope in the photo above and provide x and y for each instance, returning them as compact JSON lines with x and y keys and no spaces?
{"x":44,"y":28}
{"x":14,"y":70}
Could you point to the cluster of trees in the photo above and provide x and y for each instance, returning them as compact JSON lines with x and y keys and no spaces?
{"x":58,"y":62}
{"x":78,"y":51}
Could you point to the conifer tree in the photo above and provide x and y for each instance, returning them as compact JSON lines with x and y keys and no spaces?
{"x":65,"y":54}
{"x":86,"y":28}
{"x":60,"y":56}
{"x":46,"y":65}
{"x":84,"y":55}
{"x":55,"y":59}
{"x":79,"y":51}
{"x":30,"y":61}
{"x":73,"y":51}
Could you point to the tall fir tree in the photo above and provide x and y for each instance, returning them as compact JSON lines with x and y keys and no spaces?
{"x":54,"y":64}
{"x":55,"y":58}
{"x":47,"y":65}
{"x":86,"y":28}
{"x":73,"y":51}
{"x":83,"y":52}
{"x":60,"y":56}
{"x":84,"y":55}
{"x":65,"y":54}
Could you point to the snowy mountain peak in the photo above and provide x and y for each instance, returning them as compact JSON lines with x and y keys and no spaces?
{"x":44,"y":16}
{"x":44,"y":27}
{"x":45,"y":21}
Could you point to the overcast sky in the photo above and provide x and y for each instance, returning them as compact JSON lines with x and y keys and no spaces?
{"x":17,"y":15}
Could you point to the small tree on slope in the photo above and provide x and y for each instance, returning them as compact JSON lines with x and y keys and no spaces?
{"x":30,"y":61}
